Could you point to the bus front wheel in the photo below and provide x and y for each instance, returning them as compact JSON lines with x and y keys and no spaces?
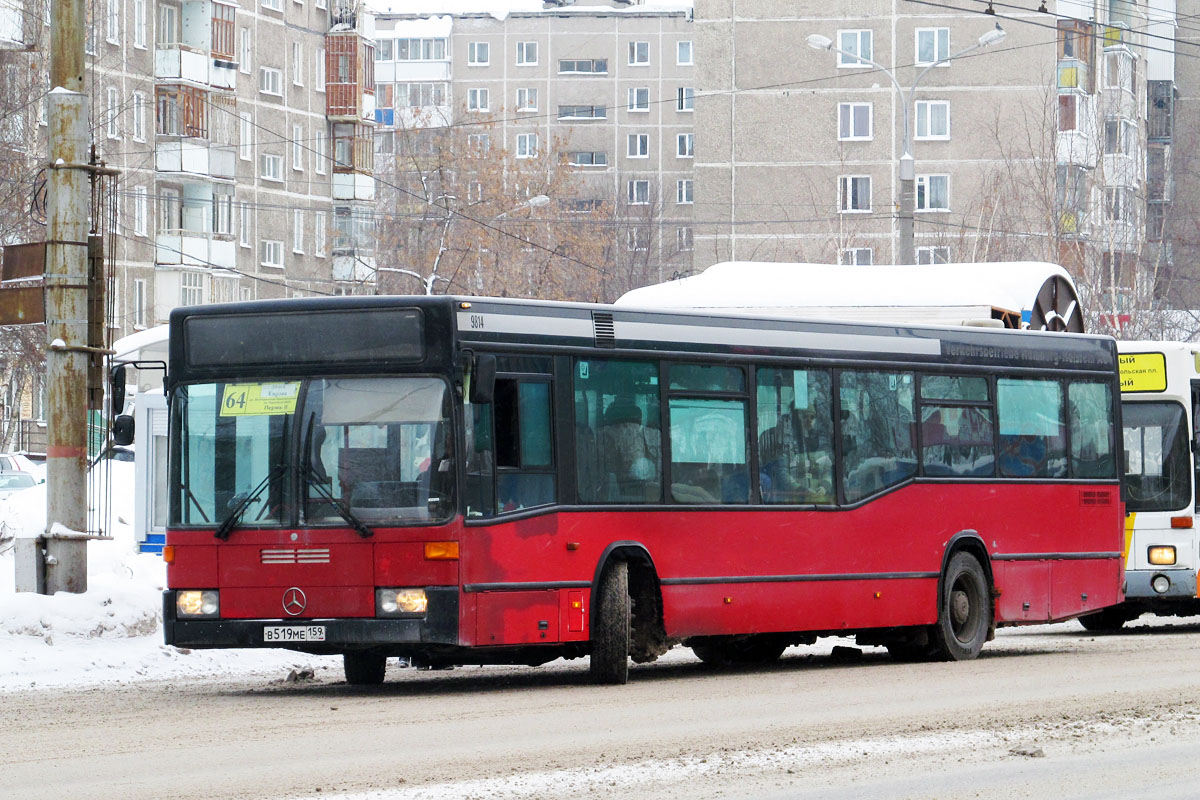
{"x":364,"y":669}
{"x":964,"y":610}
{"x":610,"y":631}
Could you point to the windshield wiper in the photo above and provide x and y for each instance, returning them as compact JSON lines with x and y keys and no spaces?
{"x":235,"y":516}
{"x":339,"y":505}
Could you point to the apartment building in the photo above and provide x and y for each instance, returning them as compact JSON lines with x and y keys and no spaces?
{"x":799,"y":156}
{"x":609,"y":85}
{"x":241,"y":134}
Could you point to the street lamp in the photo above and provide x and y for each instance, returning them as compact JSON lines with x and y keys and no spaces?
{"x":907,"y":166}
{"x":537,"y":201}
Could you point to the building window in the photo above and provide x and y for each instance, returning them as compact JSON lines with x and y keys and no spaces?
{"x":683,"y":192}
{"x":320,"y":79}
{"x":685,"y":98}
{"x":319,"y":235}
{"x":420,"y":49}
{"x":639,"y":99}
{"x":139,"y":23}
{"x":191,"y":288}
{"x":182,"y":111}
{"x":478,"y":54}
{"x":297,"y":230}
{"x":272,"y":253}
{"x":637,"y":240}
{"x":684,"y":240}
{"x":1118,"y":71}
{"x":854,"y":122}
{"x":244,"y":40}
{"x":639,"y":54}
{"x":112,"y":21}
{"x":856,"y":43}
{"x":933,"y":193}
{"x":933,"y":119}
{"x":297,"y":64}
{"x":168,"y":25}
{"x":527,"y":145}
{"x":854,"y":193}
{"x":113,"y":114}
{"x":527,"y":99}
{"x":139,"y":210}
{"x":933,"y":255}
{"x":638,"y":192}
{"x":587,"y":158}
{"x":298,"y":148}
{"x":639,"y":145}
{"x":244,"y":225}
{"x":1120,"y":137}
{"x":274,"y":5}
{"x":383,"y":50}
{"x":270,"y":81}
{"x":246,"y":136}
{"x":594,"y":66}
{"x":272,"y":167}
{"x":1116,"y":204}
{"x":933,"y":46}
{"x":322,"y":155}
{"x":527,"y":54}
{"x":685,"y":145}
{"x":683,"y":53}
{"x":582,"y":112}
{"x":856,"y":256}
{"x":1068,"y":112}
{"x":222,"y":211}
{"x":139,"y":116}
{"x":139,"y":303}
{"x":477,"y":99}
{"x":422,"y":95}
{"x":479,"y":144}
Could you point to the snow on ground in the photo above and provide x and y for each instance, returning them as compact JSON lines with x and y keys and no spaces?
{"x":111,"y":633}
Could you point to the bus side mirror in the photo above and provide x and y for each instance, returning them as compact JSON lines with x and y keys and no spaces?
{"x":483,"y":382}
{"x":122,"y":430}
{"x":116,"y":380}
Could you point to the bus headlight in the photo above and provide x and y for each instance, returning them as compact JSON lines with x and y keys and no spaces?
{"x":1160,"y":584}
{"x":198,"y":603}
{"x":400,"y":602}
{"x":1162,"y":555}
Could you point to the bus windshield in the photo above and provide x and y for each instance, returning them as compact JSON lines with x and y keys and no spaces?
{"x":1157,"y":474}
{"x":308,"y":452}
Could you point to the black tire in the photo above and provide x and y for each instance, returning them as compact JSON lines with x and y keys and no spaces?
{"x":1110,"y":619}
{"x":364,"y":669}
{"x":610,"y":630}
{"x":739,"y":650}
{"x":908,"y":652}
{"x":964,"y":610}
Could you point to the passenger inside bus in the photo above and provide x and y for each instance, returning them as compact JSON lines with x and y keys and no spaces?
{"x":630,"y":453}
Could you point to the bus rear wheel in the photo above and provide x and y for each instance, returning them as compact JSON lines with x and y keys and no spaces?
{"x":364,"y":669}
{"x":610,"y":631}
{"x":964,"y":610}
{"x":739,"y":650}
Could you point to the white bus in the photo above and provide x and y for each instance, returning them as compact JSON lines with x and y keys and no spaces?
{"x":1160,"y":393}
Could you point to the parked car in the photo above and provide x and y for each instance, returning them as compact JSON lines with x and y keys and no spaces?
{"x":15,"y":462}
{"x":13,"y":482}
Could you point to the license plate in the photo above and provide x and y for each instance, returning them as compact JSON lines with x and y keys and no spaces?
{"x":294,"y":633}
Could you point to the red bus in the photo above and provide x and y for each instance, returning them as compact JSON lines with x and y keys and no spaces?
{"x":458,"y":480}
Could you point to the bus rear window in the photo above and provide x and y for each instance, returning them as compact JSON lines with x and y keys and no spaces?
{"x":1157,"y":474}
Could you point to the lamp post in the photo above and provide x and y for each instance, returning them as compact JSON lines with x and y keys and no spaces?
{"x":907,"y":166}
{"x":537,"y":201}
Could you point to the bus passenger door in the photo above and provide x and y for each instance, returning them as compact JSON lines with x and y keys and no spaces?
{"x":1195,"y":448}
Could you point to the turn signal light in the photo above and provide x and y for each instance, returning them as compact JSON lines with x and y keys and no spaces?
{"x":1181,"y":522}
{"x":441,"y":551}
{"x":169,"y":554}
{"x":1162,"y":555}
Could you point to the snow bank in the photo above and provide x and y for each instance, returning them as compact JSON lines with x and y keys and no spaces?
{"x":113,"y":631}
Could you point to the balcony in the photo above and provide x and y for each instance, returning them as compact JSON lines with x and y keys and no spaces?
{"x":353,"y":186}
{"x":195,"y":248}
{"x":1073,"y":74}
{"x":350,"y":77}
{"x":353,"y":267}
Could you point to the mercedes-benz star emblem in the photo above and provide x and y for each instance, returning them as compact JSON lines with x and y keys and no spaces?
{"x":294,"y":601}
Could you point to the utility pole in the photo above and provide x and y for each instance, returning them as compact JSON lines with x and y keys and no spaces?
{"x":66,"y":291}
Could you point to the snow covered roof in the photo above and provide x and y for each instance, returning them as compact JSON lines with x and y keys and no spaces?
{"x":500,"y":9}
{"x":813,"y":289}
{"x":132,"y":346}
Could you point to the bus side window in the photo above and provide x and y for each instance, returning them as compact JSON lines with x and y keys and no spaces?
{"x":524,"y":453}
{"x":1033,"y":443}
{"x":1092,"y":435}
{"x":795,"y":436}
{"x":878,"y":448}
{"x":618,"y":445}
{"x":479,"y":489}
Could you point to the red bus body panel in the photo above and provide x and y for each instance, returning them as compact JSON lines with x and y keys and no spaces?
{"x":1054,"y":552}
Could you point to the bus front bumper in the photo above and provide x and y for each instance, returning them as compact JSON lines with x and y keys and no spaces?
{"x":439,"y":626}
{"x":1140,"y":584}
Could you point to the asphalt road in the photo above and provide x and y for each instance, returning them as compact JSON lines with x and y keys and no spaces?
{"x":1045,"y":712}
